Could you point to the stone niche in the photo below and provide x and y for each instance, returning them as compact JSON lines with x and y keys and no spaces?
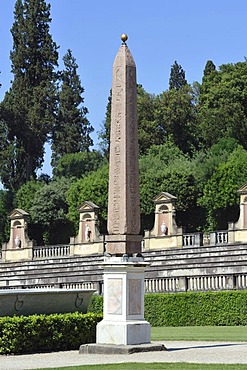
{"x":19,"y":246}
{"x":165,"y":233}
{"x":88,"y":241}
{"x":237,"y":231}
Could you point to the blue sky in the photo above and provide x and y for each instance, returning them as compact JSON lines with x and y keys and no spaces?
{"x":160,"y":32}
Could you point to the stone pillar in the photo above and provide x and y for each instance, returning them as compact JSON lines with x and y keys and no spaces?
{"x":123,"y":196}
{"x":123,"y":322}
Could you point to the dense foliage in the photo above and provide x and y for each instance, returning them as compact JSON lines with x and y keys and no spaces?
{"x":70,"y":133}
{"x":192,"y":139}
{"x":29,"y":105}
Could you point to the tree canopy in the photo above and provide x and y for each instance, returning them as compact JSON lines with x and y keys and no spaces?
{"x":30,"y":103}
{"x":222,"y":106}
{"x":71,"y":132}
{"x":192,"y":138}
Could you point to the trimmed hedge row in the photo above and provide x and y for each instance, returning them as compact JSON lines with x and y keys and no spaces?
{"x":197,"y":309}
{"x":59,"y":332}
{"x":47,"y":333}
{"x":191,"y":308}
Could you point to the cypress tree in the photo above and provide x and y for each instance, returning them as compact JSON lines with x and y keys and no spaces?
{"x":71,"y":132}
{"x":209,"y":68}
{"x":177,"y":77}
{"x":31,"y":100}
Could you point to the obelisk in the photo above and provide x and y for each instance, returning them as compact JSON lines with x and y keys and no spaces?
{"x":124,"y":266}
{"x":123,"y":196}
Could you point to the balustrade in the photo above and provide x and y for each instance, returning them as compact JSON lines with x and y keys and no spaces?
{"x":51,"y":251}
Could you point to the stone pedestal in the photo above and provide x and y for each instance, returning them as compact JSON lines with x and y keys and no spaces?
{"x":123,"y":321}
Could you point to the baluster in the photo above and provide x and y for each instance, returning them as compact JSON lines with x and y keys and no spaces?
{"x":216,"y":282}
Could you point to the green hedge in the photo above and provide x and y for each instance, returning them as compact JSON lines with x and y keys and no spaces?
{"x":191,"y":308}
{"x":42,"y":333}
{"x":59,"y":332}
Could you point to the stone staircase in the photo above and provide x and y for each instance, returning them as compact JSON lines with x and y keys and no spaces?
{"x":62,"y":272}
{"x":198,"y":268}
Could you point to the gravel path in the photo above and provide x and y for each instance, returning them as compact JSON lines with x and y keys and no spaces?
{"x":197,"y":352}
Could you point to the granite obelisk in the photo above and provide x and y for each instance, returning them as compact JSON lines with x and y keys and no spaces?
{"x":123,"y":197}
{"x":124,"y":266}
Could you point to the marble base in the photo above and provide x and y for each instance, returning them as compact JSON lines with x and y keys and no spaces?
{"x":126,"y":332}
{"x":111,"y":349}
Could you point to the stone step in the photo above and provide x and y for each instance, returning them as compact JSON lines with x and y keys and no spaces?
{"x":166,"y":263}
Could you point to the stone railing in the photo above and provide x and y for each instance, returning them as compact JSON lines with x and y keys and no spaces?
{"x":192,"y":240}
{"x":219,"y":237}
{"x":196,"y":283}
{"x":51,"y":251}
{"x":162,"y":285}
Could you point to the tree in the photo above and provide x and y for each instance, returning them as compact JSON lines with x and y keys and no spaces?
{"x":206,"y":162}
{"x":177,"y":77}
{"x":166,"y":168}
{"x":93,"y":187}
{"x":176,"y":115}
{"x":149,"y":131}
{"x":25,"y":195}
{"x":49,"y":211}
{"x":104,"y":133}
{"x":6,"y":205}
{"x":222,"y":105}
{"x":78,"y":164}
{"x":209,"y":68}
{"x":71,"y":132}
{"x":30,"y":103}
{"x":220,"y":197}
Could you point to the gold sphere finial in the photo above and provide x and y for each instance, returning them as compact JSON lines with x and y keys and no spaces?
{"x":124,"y":37}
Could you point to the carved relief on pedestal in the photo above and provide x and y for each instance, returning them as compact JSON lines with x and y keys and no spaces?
{"x":115,"y":293}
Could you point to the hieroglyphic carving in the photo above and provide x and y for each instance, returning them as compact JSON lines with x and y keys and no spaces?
{"x":135,"y":292}
{"x":123,"y":199}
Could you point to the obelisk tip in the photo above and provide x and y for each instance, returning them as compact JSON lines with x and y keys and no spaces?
{"x":124,"y":38}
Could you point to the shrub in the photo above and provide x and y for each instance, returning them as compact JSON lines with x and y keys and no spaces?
{"x":42,"y":333}
{"x":191,"y":308}
{"x":197,"y":308}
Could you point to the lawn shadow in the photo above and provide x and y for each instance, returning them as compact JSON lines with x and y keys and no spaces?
{"x":206,"y":346}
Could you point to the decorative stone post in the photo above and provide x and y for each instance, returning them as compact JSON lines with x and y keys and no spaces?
{"x":165,"y":233}
{"x":237,"y":232}
{"x":19,"y":246}
{"x":88,"y":240}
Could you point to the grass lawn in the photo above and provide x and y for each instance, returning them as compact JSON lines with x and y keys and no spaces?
{"x":207,"y":333}
{"x":154,"y":366}
{"x":195,"y":333}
